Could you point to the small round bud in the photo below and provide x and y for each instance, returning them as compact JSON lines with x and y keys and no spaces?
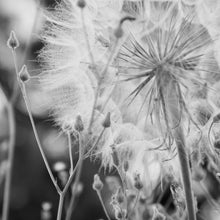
{"x":81,"y":3}
{"x":23,"y":74}
{"x":97,"y":183}
{"x":118,"y":32}
{"x":13,"y":42}
{"x":79,"y":124}
{"x":119,"y":196}
{"x":137,"y":182}
{"x":107,"y":121}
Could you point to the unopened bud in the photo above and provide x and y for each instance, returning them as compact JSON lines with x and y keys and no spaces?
{"x":13,"y":42}
{"x":137,"y":182}
{"x":81,"y":3}
{"x":107,"y":121}
{"x":79,"y":124}
{"x":23,"y":74}
{"x":119,"y":196}
{"x":118,"y":32}
{"x":97,"y":183}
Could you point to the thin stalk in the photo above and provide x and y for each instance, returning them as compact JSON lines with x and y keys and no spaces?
{"x":24,"y":93}
{"x":80,"y":165}
{"x":11,"y":147}
{"x":103,"y":205}
{"x":60,"y":206}
{"x":178,"y":135}
{"x":70,"y":152}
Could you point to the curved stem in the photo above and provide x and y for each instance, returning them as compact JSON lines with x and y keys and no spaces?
{"x":6,"y":197}
{"x":24,"y":93}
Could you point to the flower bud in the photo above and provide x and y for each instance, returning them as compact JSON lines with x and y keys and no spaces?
{"x":81,"y":3}
{"x":118,"y":32}
{"x":23,"y":74}
{"x":137,"y":182}
{"x":13,"y":42}
{"x":79,"y":124}
{"x":119,"y":196}
{"x":97,"y":183}
{"x":107,"y":121}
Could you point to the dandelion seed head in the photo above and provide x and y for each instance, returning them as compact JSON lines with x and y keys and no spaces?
{"x":71,"y":94}
{"x":165,"y":60}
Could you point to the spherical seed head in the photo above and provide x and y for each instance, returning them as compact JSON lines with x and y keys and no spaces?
{"x":97,"y":183}
{"x":107,"y":121}
{"x":23,"y":74}
{"x":13,"y":42}
{"x":79,"y":124}
{"x":118,"y":32}
{"x":81,"y":3}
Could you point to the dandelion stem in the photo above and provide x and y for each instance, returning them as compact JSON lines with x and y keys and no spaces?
{"x":100,"y":81}
{"x":70,"y":152}
{"x":79,"y":165}
{"x":60,"y":206}
{"x":11,"y":146}
{"x":103,"y":205}
{"x":179,"y":138}
{"x":24,"y":93}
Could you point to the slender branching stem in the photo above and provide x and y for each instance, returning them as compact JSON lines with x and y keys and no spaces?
{"x":24,"y":93}
{"x":60,"y":206}
{"x":11,"y":146}
{"x":178,"y":135}
{"x":76,"y":182}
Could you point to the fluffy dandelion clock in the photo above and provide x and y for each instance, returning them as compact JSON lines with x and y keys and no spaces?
{"x":153,"y":61}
